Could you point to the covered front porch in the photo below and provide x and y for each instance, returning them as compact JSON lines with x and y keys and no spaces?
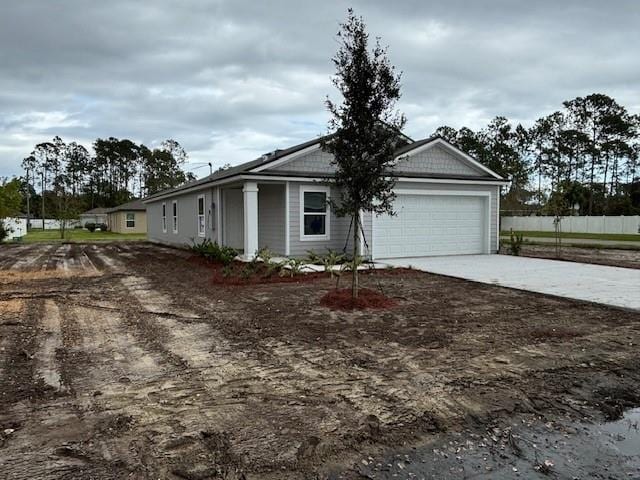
{"x":254,"y":215}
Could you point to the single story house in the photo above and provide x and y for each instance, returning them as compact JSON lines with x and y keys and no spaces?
{"x":446,"y":203}
{"x":130,"y":217}
{"x":95,"y":215}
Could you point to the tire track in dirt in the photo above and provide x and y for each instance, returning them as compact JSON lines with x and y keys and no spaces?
{"x":47,"y":368}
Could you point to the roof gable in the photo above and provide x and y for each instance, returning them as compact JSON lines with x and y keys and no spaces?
{"x":435,"y":159}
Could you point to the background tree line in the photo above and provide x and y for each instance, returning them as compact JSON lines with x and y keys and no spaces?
{"x":584,"y":155}
{"x":73,"y":180}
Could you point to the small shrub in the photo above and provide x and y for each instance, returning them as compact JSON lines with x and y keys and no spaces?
{"x":103,"y":227}
{"x":226,"y":271}
{"x":264,"y":254}
{"x":292,"y":267}
{"x":214,"y":252}
{"x":515,"y":243}
{"x":90,"y":226}
{"x":227,"y":255}
{"x":313,"y":258}
{"x":4,"y":231}
{"x":330,"y":260}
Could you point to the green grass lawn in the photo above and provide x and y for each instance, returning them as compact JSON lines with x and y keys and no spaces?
{"x":79,"y":235}
{"x":587,"y":236}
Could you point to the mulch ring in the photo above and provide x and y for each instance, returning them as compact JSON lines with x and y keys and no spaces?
{"x":341,"y":299}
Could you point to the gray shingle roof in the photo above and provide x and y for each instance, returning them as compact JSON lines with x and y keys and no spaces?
{"x":132,"y":205}
{"x":245,"y":168}
{"x":96,"y":211}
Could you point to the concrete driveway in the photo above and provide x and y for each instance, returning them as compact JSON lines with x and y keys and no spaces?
{"x":615,"y":286}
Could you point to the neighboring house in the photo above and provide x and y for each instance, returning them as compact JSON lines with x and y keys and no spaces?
{"x":446,"y":203}
{"x":130,"y":217}
{"x":95,"y":215}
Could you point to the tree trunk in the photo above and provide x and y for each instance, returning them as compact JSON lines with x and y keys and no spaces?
{"x":354,"y":273}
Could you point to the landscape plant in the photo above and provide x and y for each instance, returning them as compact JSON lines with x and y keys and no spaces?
{"x":515,"y":243}
{"x":364,"y":130}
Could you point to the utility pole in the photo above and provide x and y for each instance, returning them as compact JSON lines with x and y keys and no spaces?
{"x":28,"y":209}
{"x":43,"y":200}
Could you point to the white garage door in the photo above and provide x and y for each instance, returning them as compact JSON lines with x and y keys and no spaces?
{"x":431,"y":225}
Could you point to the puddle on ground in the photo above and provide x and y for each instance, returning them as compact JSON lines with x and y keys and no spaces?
{"x":625,"y":433}
{"x":528,"y":449}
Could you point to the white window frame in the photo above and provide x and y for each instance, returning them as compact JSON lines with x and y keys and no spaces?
{"x":126,"y":219}
{"x":164,"y":217}
{"x":199,"y":216}
{"x":327,"y":213}
{"x":174,"y":216}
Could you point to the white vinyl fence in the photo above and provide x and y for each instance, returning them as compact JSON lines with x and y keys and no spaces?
{"x":17,"y":227}
{"x":52,"y":223}
{"x":577,"y":224}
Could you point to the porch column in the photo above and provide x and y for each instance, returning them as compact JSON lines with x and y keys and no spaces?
{"x":250,"y":195}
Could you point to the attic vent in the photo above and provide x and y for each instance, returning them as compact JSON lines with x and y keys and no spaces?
{"x":268,"y":155}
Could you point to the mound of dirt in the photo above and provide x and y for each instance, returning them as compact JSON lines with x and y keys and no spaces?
{"x":341,"y":299}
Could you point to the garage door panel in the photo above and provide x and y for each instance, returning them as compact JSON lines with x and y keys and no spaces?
{"x":431,"y":225}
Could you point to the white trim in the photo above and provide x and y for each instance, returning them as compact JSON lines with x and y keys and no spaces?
{"x":126,"y":220}
{"x":204,"y":216}
{"x":498,"y":192}
{"x":361,"y":235}
{"x":287,"y":158}
{"x":485,"y":195}
{"x":174,"y":216}
{"x":466,"y":193}
{"x":451,"y":180}
{"x":250,"y":199}
{"x":163,"y":211}
{"x":453,"y":148}
{"x":327,"y":222}
{"x":287,"y":225}
{"x":284,"y":178}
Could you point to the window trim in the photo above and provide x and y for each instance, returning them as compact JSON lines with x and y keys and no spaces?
{"x":327,"y":213}
{"x":204,"y":216}
{"x":126,"y":219}
{"x":174,"y":216}
{"x":164,"y":217}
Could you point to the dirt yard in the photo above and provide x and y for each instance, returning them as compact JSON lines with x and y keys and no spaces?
{"x":124,"y":361}
{"x":600,"y":256}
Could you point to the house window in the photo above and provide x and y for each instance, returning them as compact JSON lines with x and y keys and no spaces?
{"x":314,"y":213}
{"x":175,"y":216}
{"x":131,"y":220}
{"x":200,"y":219}
{"x":164,"y":217}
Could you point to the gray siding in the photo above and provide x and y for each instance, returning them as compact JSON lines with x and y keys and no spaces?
{"x":339,"y":228}
{"x":271,"y":218}
{"x":435,"y":160}
{"x":187,"y":219}
{"x":313,"y":162}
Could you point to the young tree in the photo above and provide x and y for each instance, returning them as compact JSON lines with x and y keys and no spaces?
{"x":365,"y":128}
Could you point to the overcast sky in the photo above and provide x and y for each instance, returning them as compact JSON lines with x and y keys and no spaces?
{"x":231,"y":80}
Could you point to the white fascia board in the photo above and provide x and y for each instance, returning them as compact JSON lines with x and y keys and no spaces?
{"x":285,"y":178}
{"x":453,"y":148}
{"x":451,"y":180}
{"x":287,"y":158}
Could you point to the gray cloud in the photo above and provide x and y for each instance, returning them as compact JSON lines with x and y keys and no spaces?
{"x":231,"y":80}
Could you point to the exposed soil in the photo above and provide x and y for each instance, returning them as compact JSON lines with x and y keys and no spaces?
{"x":124,"y":361}
{"x":342,"y":299}
{"x":604,"y":256}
